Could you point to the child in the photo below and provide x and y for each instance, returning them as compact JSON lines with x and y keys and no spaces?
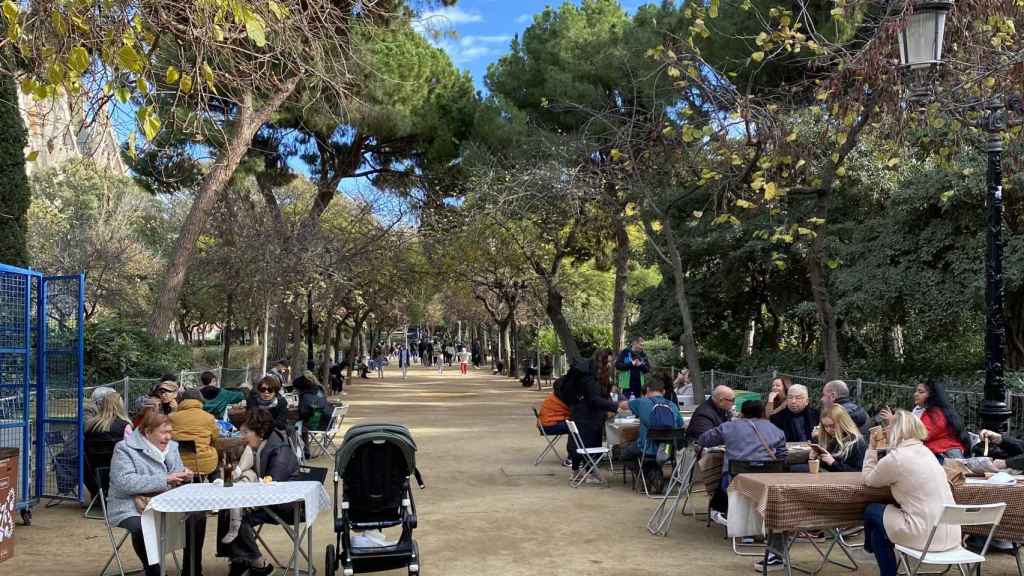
{"x":245,"y":471}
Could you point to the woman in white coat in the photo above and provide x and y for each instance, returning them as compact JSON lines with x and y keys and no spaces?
{"x":918,"y":484}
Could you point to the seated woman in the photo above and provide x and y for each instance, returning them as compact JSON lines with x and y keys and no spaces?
{"x":940,"y":420}
{"x":840,"y":445}
{"x":919,"y":486}
{"x":146,"y":464}
{"x":108,"y":425}
{"x":274,"y":459}
{"x":267,"y":395}
{"x":191,"y":422}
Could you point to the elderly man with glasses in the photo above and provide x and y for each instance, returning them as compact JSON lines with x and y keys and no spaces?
{"x":709,"y":415}
{"x":799,"y":419}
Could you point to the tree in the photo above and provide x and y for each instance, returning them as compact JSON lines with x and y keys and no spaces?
{"x":15,"y":195}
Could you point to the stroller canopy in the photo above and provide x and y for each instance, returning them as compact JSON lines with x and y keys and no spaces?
{"x":363,"y":434}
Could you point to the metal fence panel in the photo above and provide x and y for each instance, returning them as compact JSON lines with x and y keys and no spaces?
{"x":16,"y":372}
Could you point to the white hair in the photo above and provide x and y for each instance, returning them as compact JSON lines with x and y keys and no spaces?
{"x":839,"y":387}
{"x":797,"y":389}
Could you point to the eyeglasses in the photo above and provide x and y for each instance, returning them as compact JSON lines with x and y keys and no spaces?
{"x":730,"y":399}
{"x":263,"y":389}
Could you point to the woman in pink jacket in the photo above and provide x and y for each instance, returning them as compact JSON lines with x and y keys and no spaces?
{"x":919,"y":486}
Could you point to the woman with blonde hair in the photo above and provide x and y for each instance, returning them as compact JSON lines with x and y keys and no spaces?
{"x":919,"y":486}
{"x":840,"y":445}
{"x":110,"y":417}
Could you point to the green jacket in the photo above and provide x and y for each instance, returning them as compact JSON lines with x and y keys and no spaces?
{"x":216,"y":400}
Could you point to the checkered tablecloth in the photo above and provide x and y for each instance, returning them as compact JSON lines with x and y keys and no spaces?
{"x":714,"y":458}
{"x":787,"y":502}
{"x":205,"y":497}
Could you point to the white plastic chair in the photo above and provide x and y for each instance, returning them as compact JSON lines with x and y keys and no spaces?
{"x":322,"y":441}
{"x":954,"y":515}
{"x":592,"y":457}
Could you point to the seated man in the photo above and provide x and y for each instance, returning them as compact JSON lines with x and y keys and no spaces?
{"x":798,"y":419}
{"x":712,"y":412}
{"x":837,"y":392}
{"x":216,"y":400}
{"x":750,"y":439}
{"x":653,"y":411}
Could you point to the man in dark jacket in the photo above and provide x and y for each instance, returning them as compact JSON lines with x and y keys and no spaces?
{"x":798,"y":419}
{"x":634,"y":361}
{"x":712,"y":412}
{"x":837,"y":392}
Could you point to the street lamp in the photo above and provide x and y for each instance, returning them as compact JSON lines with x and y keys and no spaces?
{"x":921,"y":55}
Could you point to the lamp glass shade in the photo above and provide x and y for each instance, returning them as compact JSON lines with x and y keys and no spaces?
{"x":921,"y":40}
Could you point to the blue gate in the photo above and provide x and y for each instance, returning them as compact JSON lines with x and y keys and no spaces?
{"x":41,"y":371}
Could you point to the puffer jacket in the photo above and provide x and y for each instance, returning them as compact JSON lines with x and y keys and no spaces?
{"x":191,"y":422}
{"x":136,"y":469}
{"x":275,"y":458}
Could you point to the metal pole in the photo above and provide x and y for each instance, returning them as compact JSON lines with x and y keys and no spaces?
{"x":994,"y":411}
{"x":309,"y":330}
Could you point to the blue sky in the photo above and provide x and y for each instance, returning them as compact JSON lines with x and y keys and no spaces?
{"x":483,"y":29}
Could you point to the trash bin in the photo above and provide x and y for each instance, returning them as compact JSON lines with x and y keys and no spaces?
{"x":8,"y":497}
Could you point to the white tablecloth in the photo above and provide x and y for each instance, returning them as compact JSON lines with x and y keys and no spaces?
{"x":205,"y":497}
{"x":614,"y":430}
{"x":743,"y":518}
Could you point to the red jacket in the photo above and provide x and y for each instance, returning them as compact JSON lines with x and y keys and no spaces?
{"x":940,"y":435}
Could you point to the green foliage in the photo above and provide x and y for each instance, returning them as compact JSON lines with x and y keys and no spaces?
{"x":115,"y":348}
{"x":14,"y":191}
{"x":662,"y":352}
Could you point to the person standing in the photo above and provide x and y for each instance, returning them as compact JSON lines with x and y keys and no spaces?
{"x":403,"y":359}
{"x":586,"y":387}
{"x":632,"y":365}
{"x":464,"y":362}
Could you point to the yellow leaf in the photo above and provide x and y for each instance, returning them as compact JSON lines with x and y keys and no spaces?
{"x":893,"y":162}
{"x":744,"y":204}
{"x":31,"y":157}
{"x":148,"y":122}
{"x":10,"y":11}
{"x":791,"y":137}
{"x":841,"y":171}
{"x":673,"y":72}
{"x":757,"y":56}
{"x":255,"y":30}
{"x":129,"y":59}
{"x":280,"y":11}
{"x":771,"y":191}
{"x":185,"y":83}
{"x":616,"y":154}
{"x":816,"y":221}
{"x":78,"y":59}
{"x":172,"y":75}
{"x":697,"y":214}
{"x":713,"y":9}
{"x":140,"y":83}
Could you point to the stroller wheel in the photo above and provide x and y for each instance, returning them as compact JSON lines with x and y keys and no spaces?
{"x":414,"y":569}
{"x":331,"y":561}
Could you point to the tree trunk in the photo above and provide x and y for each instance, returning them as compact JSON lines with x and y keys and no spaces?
{"x":554,"y":309}
{"x":513,"y":356}
{"x":688,"y":339}
{"x":357,"y":330}
{"x":241,"y":132}
{"x":621,"y":280}
{"x":748,"y":338}
{"x":296,"y":359}
{"x":819,"y":289}
{"x":226,"y":335}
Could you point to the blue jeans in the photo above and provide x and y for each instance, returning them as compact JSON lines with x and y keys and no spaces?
{"x":556,"y":428}
{"x":877,"y":541}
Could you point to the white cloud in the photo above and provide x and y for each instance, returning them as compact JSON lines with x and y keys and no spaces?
{"x":466,"y":49}
{"x":445,"y":18}
{"x":524,"y":19}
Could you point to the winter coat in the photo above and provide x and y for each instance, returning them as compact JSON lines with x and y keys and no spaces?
{"x":278,"y":408}
{"x":941,"y":436}
{"x":275,"y":458}
{"x":591,"y":407}
{"x":854,"y":461}
{"x":919,"y":486}
{"x":136,"y":469}
{"x":314,"y":410}
{"x":216,"y":400}
{"x":797,"y":426}
{"x":191,"y":422}
{"x":706,"y":417}
{"x":857,"y":414}
{"x":624,"y":363}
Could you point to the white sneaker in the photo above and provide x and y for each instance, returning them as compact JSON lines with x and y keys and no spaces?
{"x":593,"y":480}
{"x":719,"y":518}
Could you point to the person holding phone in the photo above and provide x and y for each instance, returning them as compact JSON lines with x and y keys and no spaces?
{"x":840,"y":446}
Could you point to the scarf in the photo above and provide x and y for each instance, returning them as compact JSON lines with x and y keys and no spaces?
{"x":157,"y":453}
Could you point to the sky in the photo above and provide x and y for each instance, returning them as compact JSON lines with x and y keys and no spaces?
{"x":483,"y":29}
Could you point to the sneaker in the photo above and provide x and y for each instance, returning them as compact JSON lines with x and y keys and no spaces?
{"x":238,"y":569}
{"x":266,"y":570}
{"x":774,"y":563}
{"x":719,"y":518}
{"x":567,"y":463}
{"x":747,"y":540}
{"x":593,"y":480}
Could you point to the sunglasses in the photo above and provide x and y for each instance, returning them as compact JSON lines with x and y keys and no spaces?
{"x":166,"y":391}
{"x":263,"y":389}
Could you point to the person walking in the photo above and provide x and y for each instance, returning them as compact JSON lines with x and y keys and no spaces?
{"x":464,"y":362}
{"x":403,"y":359}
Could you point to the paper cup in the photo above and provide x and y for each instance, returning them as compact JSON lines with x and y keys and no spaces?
{"x":814,"y":466}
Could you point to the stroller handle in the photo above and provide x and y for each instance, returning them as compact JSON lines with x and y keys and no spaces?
{"x":419,"y":478}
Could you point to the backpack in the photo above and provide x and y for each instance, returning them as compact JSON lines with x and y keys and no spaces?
{"x":662,"y":416}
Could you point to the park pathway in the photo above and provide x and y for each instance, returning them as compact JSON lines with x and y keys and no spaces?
{"x":487,"y":511}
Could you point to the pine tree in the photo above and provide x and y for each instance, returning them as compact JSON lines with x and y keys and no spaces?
{"x":14,"y":189}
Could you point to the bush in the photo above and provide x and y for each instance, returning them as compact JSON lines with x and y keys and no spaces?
{"x":115,"y":348}
{"x":213,"y":356}
{"x":662,"y":352}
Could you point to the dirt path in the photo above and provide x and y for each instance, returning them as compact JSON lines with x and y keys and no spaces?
{"x":487,"y":511}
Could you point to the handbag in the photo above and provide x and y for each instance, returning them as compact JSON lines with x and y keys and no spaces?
{"x":141,"y":502}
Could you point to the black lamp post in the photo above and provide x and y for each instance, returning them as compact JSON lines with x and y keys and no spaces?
{"x":921,"y":55}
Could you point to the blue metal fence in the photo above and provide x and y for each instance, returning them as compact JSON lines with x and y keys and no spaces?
{"x":41,"y":361}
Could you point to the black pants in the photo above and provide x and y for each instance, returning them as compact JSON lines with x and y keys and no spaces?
{"x":244,"y":547}
{"x":590,"y":433}
{"x":195,"y":535}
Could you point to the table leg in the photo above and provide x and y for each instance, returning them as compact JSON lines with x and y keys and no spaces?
{"x":309,"y":545}
{"x":160,"y":543}
{"x":295,"y":542}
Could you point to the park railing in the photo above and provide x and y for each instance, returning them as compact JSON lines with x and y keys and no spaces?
{"x":871,"y":395}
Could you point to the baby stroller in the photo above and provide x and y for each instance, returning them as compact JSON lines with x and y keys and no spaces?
{"x":372,"y":471}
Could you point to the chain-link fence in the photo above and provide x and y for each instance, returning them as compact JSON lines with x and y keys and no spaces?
{"x":132,"y":390}
{"x":871,"y":395}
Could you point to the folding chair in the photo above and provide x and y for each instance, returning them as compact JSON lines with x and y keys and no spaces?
{"x":675,"y":436}
{"x":590,"y":464}
{"x":322,"y":441}
{"x":955,"y":515}
{"x":551,"y":440}
{"x":295,"y":534}
{"x":103,"y":486}
{"x":660,"y":521}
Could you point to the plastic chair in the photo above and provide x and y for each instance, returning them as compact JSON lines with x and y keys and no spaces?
{"x":551,"y":439}
{"x":955,"y":515}
{"x":592,"y":457}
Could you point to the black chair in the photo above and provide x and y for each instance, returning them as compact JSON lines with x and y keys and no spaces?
{"x":98,"y":453}
{"x":190,"y":458}
{"x":676,"y":437}
{"x":305,"y":474}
